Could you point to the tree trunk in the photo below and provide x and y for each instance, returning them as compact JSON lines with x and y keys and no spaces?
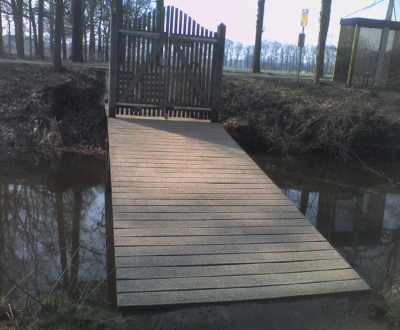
{"x":77,"y":32}
{"x":17,"y":11}
{"x":64,"y":42}
{"x":1,"y":33}
{"x":51,"y":27}
{"x":323,"y":32}
{"x":120,"y":12}
{"x":92,"y":38}
{"x":9,"y":34}
{"x":106,"y":41}
{"x":99,"y":45}
{"x":259,"y":31}
{"x":35,"y":37}
{"x":57,"y":63}
{"x":40,"y":54}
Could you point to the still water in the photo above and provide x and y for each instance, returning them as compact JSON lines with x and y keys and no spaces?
{"x":53,"y":230}
{"x":52,"y":227}
{"x":357,"y":211}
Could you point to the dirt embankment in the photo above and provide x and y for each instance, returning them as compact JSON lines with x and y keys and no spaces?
{"x":43,"y":110}
{"x":46,"y":111}
{"x":293,"y":118}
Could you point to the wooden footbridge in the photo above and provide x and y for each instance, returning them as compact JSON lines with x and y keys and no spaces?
{"x":195,"y":220}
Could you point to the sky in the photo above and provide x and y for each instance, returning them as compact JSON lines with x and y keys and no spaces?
{"x":282,"y":18}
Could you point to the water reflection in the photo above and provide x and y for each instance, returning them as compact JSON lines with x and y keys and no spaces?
{"x":357,"y":213}
{"x":52,"y":226}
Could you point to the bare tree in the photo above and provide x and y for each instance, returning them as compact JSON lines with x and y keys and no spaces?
{"x":1,"y":33}
{"x":18,"y":16}
{"x":323,"y":33}
{"x":77,"y":31}
{"x":57,"y":63}
{"x":259,"y":31}
{"x":40,"y":55}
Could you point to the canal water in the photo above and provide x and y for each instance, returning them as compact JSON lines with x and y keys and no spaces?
{"x":357,"y":209}
{"x":52,"y":227}
{"x":53,"y":233}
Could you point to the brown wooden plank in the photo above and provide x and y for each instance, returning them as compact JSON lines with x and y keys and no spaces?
{"x":186,"y":168}
{"x":208,"y":216}
{"x":201,"y":202}
{"x":133,"y":223}
{"x":256,"y":253}
{"x":222,"y":259}
{"x":155,"y":194}
{"x":234,"y":231}
{"x":223,"y":270}
{"x":186,"y":186}
{"x":237,"y":294}
{"x":228,"y":240}
{"x":218,"y":282}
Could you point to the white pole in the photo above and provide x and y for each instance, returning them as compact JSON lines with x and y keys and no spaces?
{"x":382,"y":49}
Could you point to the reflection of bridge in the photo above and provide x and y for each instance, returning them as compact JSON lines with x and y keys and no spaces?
{"x":196,"y":220}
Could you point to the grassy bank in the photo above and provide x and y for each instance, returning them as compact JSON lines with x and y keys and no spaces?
{"x":294,"y":118}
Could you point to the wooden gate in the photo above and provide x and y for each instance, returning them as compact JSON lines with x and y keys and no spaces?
{"x":165,"y":64}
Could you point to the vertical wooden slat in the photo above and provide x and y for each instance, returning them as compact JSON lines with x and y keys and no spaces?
{"x":191,"y":62}
{"x":128,"y":61}
{"x":195,"y":64}
{"x":208,"y":73}
{"x":134,"y":67}
{"x":200,"y":64}
{"x":204,"y":67}
{"x":185,"y":92}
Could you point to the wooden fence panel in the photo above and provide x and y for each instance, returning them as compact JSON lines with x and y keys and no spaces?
{"x":167,"y":69}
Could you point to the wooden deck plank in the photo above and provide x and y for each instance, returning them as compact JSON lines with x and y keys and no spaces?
{"x":159,"y":250}
{"x":134,"y":223}
{"x":238,"y":294}
{"x":206,"y":240}
{"x":223,"y":270}
{"x":236,"y":281}
{"x":196,"y":220}
{"x":203,"y":209}
{"x":153,"y":232}
{"x":203,"y":202}
{"x":223,"y":259}
{"x":208,"y":216}
{"x":155,"y":194}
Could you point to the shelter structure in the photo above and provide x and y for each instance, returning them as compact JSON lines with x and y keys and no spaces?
{"x":358,"y":52}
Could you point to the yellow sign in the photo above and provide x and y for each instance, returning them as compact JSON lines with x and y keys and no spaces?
{"x":304,"y":17}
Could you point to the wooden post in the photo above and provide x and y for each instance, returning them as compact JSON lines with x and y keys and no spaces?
{"x":113,"y":67}
{"x":219,"y":65}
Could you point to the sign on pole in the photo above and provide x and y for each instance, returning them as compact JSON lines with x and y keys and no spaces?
{"x":304,"y":17}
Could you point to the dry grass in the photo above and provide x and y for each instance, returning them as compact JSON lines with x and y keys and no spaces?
{"x":294,"y":118}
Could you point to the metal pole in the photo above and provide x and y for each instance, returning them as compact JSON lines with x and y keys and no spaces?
{"x":301,"y":53}
{"x":382,"y":49}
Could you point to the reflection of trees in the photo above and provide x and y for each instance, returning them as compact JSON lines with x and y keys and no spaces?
{"x":51,"y":227}
{"x":358,"y":214}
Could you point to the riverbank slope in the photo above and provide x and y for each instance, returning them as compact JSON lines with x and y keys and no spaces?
{"x":43,"y":110}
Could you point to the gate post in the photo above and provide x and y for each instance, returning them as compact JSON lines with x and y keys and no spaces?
{"x":113,"y":67}
{"x":219,"y":65}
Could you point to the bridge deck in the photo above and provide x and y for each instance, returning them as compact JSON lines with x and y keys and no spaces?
{"x":196,"y":220}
